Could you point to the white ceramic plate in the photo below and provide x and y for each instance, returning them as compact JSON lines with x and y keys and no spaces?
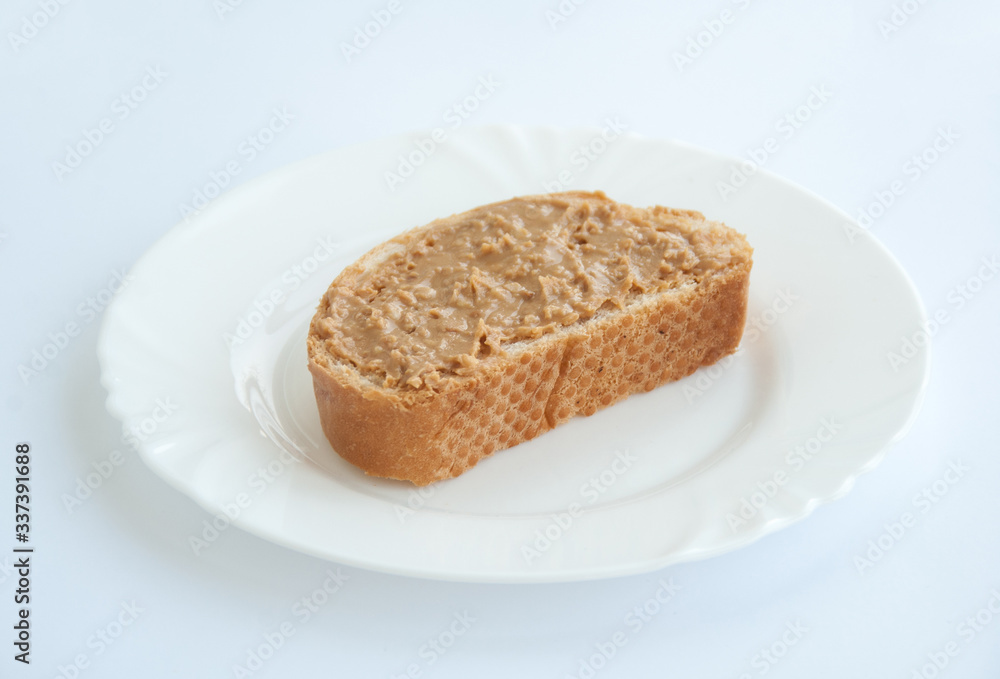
{"x":689,"y":470}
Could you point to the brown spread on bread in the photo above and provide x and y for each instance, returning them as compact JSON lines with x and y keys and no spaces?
{"x":504,"y":273}
{"x":482,"y":330}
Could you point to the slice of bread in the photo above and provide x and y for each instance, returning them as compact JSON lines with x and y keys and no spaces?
{"x":397,"y":409}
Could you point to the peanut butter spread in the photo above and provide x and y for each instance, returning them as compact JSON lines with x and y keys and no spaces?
{"x":462,"y":290}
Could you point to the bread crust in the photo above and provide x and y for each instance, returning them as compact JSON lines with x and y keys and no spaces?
{"x":424,"y":436}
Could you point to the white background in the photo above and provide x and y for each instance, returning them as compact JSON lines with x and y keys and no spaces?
{"x":64,"y":237}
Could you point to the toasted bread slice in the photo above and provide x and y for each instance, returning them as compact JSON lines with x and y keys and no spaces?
{"x":485,"y":329}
